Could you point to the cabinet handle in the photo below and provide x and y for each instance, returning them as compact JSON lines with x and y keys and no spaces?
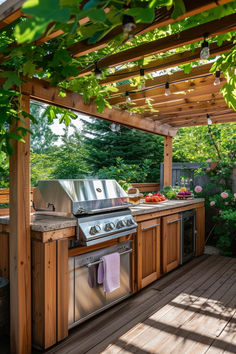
{"x":150,"y":227}
{"x":171,"y":221}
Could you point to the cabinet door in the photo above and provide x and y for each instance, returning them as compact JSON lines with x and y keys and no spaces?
{"x":171,"y":242}
{"x":200,"y":231}
{"x":148,"y":252}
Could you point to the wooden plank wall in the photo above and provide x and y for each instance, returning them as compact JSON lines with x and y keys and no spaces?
{"x":5,"y":198}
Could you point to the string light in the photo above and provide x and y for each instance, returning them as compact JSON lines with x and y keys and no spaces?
{"x":128,"y":99}
{"x":128,"y":23}
{"x":167,"y":89}
{"x":209,"y":121}
{"x":142,"y":78}
{"x":97,"y":71}
{"x":217,"y":79}
{"x":115,"y":127}
{"x":205,"y":51}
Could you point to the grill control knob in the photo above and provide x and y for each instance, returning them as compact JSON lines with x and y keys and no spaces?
{"x":109,"y":226}
{"x":120,"y":224}
{"x":94,"y":229}
{"x":129,"y":222}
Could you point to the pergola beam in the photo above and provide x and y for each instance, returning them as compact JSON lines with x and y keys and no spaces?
{"x":192,"y":35}
{"x":172,"y":78}
{"x":178,"y":90}
{"x":42,"y":91}
{"x":166,"y":62}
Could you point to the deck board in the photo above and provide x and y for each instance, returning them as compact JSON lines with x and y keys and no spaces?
{"x":191,"y":310}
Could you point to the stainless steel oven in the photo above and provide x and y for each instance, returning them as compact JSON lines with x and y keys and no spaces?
{"x":86,"y":301}
{"x":101,"y":209}
{"x":188,"y":235}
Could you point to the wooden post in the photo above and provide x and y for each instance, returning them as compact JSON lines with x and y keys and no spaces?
{"x":20,"y":255}
{"x":167,"y":180}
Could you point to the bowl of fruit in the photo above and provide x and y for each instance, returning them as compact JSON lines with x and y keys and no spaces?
{"x":155,"y":198}
{"x":184,"y":194}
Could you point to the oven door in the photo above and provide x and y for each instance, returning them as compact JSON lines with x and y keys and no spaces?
{"x":86,"y":301}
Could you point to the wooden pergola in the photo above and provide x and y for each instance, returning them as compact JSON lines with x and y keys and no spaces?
{"x":192,"y":96}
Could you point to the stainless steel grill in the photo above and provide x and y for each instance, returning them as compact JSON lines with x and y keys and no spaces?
{"x":100,"y":206}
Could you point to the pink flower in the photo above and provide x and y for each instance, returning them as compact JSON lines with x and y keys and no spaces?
{"x":224,"y":195}
{"x":220,"y":211}
{"x":226,"y":203}
{"x":198,"y":189}
{"x":208,"y":168}
{"x":209,"y":160}
{"x":235,"y":195}
{"x":212,"y":203}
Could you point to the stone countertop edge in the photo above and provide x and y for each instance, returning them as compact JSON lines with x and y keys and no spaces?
{"x":141,"y":209}
{"x":46,"y":223}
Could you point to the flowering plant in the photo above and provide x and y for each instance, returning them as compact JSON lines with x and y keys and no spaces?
{"x":220,"y":204}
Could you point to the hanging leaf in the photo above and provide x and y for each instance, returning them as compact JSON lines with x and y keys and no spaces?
{"x":179,"y":9}
{"x":29,"y":68}
{"x":145,"y":15}
{"x":12,"y":79}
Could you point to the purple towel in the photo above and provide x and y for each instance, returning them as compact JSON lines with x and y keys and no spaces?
{"x":109,"y":272}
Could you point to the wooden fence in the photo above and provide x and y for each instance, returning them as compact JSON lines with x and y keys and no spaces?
{"x":4,"y":199}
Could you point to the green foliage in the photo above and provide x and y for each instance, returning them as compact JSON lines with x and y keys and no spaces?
{"x":52,"y":60}
{"x":195,"y":144}
{"x":125,"y":173}
{"x":132,"y":146}
{"x":221,"y":202}
{"x":42,"y":138}
{"x":227,"y":64}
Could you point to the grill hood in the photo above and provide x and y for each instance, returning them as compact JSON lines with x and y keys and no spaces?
{"x":79,"y":196}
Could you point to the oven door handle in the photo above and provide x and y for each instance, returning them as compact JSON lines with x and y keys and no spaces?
{"x":100,"y":260}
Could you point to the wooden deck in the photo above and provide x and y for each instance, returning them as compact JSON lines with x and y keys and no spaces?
{"x":191,"y":310}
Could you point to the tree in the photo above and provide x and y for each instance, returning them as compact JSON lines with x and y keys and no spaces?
{"x":42,"y":137}
{"x":195,"y":143}
{"x":134,"y":147}
{"x":70,"y":158}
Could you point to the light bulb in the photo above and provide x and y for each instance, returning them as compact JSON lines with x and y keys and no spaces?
{"x":217,"y":79}
{"x":128,"y":23}
{"x":98,"y":73}
{"x":118,"y":127}
{"x":113,"y":127}
{"x":167,"y":89}
{"x":128,"y":99}
{"x":205,"y":51}
{"x":209,"y":121}
{"x":142,"y":78}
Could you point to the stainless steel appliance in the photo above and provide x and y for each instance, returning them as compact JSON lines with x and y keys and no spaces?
{"x":100,"y":207}
{"x":188,"y":235}
{"x":84,"y":301}
{"x":102,"y":211}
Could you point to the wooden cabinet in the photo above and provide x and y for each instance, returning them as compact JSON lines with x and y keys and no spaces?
{"x":200,"y":231}
{"x":148,"y":252}
{"x":170,"y":242}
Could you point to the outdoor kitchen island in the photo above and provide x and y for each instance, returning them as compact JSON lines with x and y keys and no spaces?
{"x":156,"y":250}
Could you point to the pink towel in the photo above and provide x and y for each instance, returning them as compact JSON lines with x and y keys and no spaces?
{"x":109,"y":272}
